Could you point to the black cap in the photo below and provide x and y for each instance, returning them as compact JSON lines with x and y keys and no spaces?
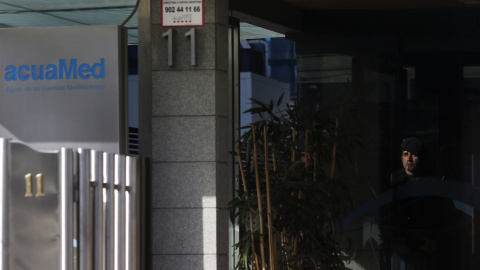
{"x":413,"y":145}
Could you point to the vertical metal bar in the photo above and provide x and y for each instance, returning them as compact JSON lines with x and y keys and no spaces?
{"x":120,"y":212}
{"x":4,"y":172}
{"x":108,"y":181}
{"x":85,"y":236}
{"x":476,"y":238}
{"x":234,"y":131}
{"x":144,"y":201}
{"x":473,"y":215}
{"x":133,"y":213}
{"x":99,"y":232}
{"x":234,"y":94}
{"x":66,"y":204}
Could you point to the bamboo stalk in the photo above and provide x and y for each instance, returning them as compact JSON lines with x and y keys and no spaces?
{"x":294,"y":137}
{"x":334,"y":154}
{"x":305,"y":159}
{"x":242,"y":173}
{"x":282,"y":233}
{"x":295,"y":245}
{"x":334,"y":157}
{"x":274,"y":157}
{"x":274,"y":217}
{"x":275,"y":263}
{"x":295,"y":240}
{"x":259,"y":198}
{"x":292,"y":148}
{"x":306,"y":149}
{"x":285,"y":239}
{"x":315,"y":158}
{"x":275,"y":247}
{"x":269,"y":202}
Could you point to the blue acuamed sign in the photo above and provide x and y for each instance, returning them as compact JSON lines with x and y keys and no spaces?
{"x":58,"y":90}
{"x":72,"y":70}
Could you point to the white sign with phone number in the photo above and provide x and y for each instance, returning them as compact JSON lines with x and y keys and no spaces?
{"x":182,"y":13}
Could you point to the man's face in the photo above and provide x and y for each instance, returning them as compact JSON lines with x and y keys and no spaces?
{"x":410,"y":162}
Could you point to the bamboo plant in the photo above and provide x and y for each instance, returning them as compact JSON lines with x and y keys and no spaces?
{"x":290,"y":203}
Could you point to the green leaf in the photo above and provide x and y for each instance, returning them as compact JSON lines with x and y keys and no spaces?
{"x":280,"y":100}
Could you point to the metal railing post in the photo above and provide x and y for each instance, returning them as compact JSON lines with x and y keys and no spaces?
{"x":98,"y":211}
{"x":66,"y":204}
{"x":133,"y":218}
{"x":120,"y":212}
{"x":4,"y":153}
{"x":109,"y":185}
{"x":85,"y":237}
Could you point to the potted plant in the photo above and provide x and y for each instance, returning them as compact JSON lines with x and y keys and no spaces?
{"x":290,"y":203}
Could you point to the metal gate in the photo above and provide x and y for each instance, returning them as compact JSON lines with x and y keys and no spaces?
{"x":69,"y":209}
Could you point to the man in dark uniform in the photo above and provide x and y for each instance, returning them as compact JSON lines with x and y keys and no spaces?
{"x":412,"y":149}
{"x":415,"y":230}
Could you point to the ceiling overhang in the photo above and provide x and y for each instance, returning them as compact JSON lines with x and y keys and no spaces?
{"x":48,"y":13}
{"x":384,"y":4}
{"x":370,"y":27}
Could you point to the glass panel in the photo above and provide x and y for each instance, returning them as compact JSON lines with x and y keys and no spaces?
{"x":413,"y":199}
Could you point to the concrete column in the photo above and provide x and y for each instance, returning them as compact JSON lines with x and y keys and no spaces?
{"x":188,"y":109}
